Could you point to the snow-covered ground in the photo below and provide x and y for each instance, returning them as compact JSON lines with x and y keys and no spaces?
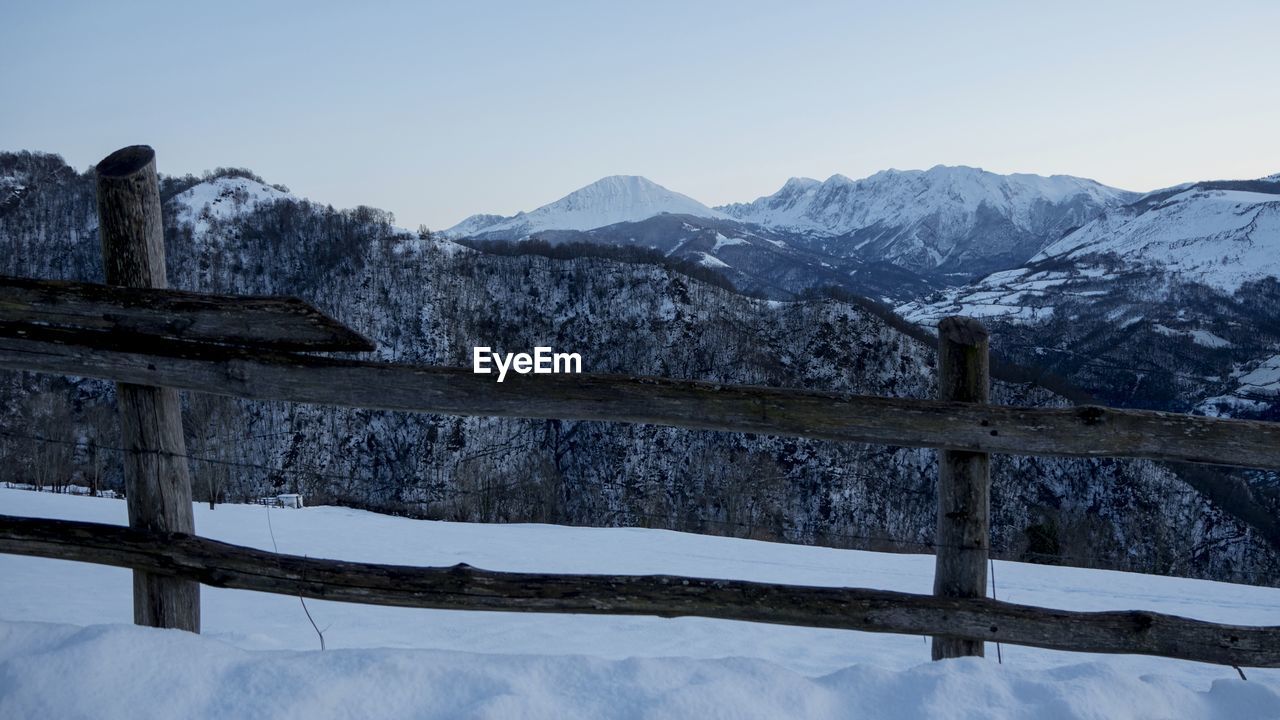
{"x":67,"y":651}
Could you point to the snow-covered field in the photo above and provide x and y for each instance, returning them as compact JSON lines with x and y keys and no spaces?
{"x":67,"y":650}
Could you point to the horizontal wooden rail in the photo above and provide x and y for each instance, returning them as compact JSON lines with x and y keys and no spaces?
{"x":279,"y":323}
{"x":462,"y":587}
{"x":1084,"y":431}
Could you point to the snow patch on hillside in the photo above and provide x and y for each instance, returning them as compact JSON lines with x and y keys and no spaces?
{"x":722,"y":241}
{"x":711,"y":261}
{"x":223,"y":198}
{"x":1257,"y":385}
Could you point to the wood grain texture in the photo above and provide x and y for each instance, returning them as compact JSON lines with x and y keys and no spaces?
{"x":157,"y":485}
{"x":462,"y":587}
{"x":1083,"y":431}
{"x":277,"y":323}
{"x":963,"y":536}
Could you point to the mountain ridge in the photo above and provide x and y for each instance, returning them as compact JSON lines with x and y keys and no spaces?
{"x":933,"y":222}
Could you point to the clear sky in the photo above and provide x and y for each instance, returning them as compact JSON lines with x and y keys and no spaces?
{"x":439,"y":110}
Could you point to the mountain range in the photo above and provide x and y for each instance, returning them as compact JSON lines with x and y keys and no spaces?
{"x":939,"y":225}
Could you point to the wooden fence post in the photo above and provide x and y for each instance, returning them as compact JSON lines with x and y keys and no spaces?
{"x":964,"y":480}
{"x":155,"y":466}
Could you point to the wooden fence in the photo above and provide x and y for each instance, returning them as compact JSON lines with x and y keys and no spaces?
{"x":154,"y":342}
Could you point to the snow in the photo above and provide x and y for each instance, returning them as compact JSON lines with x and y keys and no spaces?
{"x":411,"y":245}
{"x":722,"y":241}
{"x":1257,"y":385}
{"x":1200,"y":337}
{"x":204,"y":678}
{"x":1222,"y":238}
{"x":711,"y":261}
{"x":1229,"y":406}
{"x":1208,"y":339}
{"x":1007,"y":303}
{"x":610,"y":200}
{"x":1265,"y":378}
{"x":67,"y":650}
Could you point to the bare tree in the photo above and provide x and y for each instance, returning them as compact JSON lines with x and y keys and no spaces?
{"x":52,"y":454}
{"x":210,"y":423}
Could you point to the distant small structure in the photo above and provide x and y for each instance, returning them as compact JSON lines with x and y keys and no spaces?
{"x":287,"y":500}
{"x":290,"y":500}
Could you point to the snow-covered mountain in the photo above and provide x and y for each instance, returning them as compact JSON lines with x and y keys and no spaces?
{"x":1168,"y":302}
{"x":1221,"y":234}
{"x":928,"y":226}
{"x":942,"y":220}
{"x":610,"y":200}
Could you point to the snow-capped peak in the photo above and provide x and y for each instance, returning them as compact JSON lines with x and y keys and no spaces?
{"x":607,"y":201}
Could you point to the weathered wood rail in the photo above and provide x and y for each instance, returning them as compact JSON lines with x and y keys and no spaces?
{"x":154,"y":341}
{"x":148,"y":314}
{"x":1082,"y":431}
{"x":462,"y":587}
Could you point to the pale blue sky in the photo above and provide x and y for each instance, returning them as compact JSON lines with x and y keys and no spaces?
{"x":439,"y":110}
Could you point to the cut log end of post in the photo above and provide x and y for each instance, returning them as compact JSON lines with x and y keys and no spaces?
{"x":126,"y":161}
{"x":962,"y":330}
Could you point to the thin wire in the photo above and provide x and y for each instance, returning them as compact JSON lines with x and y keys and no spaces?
{"x":275,"y":549}
{"x":999,"y":655}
